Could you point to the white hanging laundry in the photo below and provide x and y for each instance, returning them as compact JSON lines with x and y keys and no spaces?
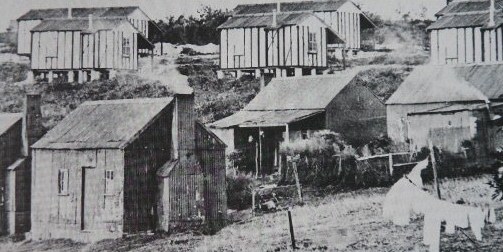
{"x":431,"y":231}
{"x":415,"y":174}
{"x":476,"y":217}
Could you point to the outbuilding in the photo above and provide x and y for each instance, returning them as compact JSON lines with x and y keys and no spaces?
{"x":294,"y":108}
{"x":450,"y":106}
{"x":100,"y":172}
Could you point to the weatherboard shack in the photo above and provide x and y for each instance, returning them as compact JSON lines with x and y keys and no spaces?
{"x":294,"y":108}
{"x":124,"y":167}
{"x":454,"y":107}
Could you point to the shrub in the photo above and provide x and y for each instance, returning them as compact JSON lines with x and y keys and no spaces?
{"x":13,"y":72}
{"x":239,"y":191}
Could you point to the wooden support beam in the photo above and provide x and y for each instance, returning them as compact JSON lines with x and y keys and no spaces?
{"x":436,"y":184}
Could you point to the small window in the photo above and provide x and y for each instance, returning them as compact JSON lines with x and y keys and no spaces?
{"x":312,"y":45}
{"x":63,"y":182}
{"x":126,"y":47}
{"x":304,"y":134}
{"x":109,"y":182}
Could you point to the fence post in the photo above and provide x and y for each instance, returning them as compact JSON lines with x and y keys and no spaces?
{"x":253,"y":202}
{"x":390,"y":164}
{"x":292,"y":235}
{"x":297,"y":182}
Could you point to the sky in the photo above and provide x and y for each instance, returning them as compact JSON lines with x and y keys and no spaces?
{"x":158,"y":9}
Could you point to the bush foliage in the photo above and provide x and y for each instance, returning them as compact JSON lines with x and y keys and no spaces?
{"x":239,"y":191}
{"x":197,"y":30}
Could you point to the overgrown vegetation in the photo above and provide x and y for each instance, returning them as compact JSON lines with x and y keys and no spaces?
{"x":383,"y":82}
{"x":239,"y":191}
{"x":60,"y":99}
{"x":216,"y":99}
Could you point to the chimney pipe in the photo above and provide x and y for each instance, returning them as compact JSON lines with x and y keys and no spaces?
{"x":491,"y":14}
{"x":278,"y":7}
{"x":32,"y":121}
{"x":69,"y":12}
{"x":274,"y":18}
{"x":91,"y":26}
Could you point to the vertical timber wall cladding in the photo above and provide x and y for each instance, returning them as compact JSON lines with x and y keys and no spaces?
{"x":74,"y":50}
{"x":288,"y":46}
{"x":466,"y":45}
{"x":24,"y":35}
{"x":69,"y":194}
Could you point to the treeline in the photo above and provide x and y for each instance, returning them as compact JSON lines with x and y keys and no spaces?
{"x":199,"y":30}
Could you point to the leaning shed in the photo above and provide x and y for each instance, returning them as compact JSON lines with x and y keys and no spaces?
{"x":467,"y":32}
{"x":294,"y":108}
{"x":442,"y":91}
{"x":83,"y":49}
{"x":96,"y":174}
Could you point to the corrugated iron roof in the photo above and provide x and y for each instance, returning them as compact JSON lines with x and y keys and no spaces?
{"x":469,"y":6}
{"x":7,"y":120}
{"x":236,"y":119}
{"x":459,"y":21}
{"x":279,"y":118}
{"x":290,"y":6}
{"x":36,"y":14}
{"x":265,"y":20}
{"x":268,"y":118}
{"x":310,"y":92}
{"x":282,"y":20}
{"x":429,"y":84}
{"x":108,"y":124}
{"x":78,"y":24}
{"x":467,"y":14}
{"x":458,"y":107}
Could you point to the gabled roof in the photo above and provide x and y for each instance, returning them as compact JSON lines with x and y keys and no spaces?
{"x":290,"y":6}
{"x":79,"y":25}
{"x":283,"y":19}
{"x":265,"y":20}
{"x":467,"y":14}
{"x":111,"y":124}
{"x":460,"y":7}
{"x":300,"y":6}
{"x":7,"y":120}
{"x":58,"y":13}
{"x":310,"y":92}
{"x":433,"y":84}
{"x":287,"y":100}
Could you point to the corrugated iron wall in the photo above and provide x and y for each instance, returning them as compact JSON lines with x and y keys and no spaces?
{"x":10,"y":151}
{"x":210,"y":151}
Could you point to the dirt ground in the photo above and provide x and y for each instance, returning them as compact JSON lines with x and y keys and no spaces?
{"x":340,"y":222}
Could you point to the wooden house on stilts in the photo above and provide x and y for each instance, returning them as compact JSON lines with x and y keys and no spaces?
{"x":124,"y":167}
{"x":84,"y":44}
{"x":289,"y":39}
